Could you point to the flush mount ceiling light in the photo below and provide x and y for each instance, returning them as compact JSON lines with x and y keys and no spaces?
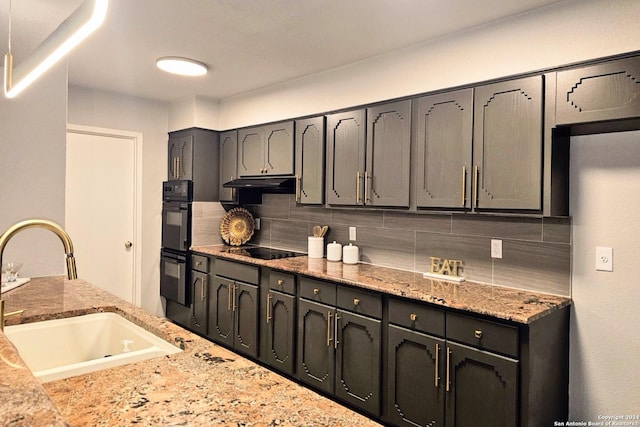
{"x":73,"y":30}
{"x":181,"y":66}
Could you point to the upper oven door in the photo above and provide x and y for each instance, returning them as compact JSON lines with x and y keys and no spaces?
{"x":176,"y":226}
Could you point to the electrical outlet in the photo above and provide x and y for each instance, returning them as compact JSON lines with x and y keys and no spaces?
{"x":496,"y":248}
{"x":256,"y":222}
{"x":352,"y":234}
{"x":604,"y":258}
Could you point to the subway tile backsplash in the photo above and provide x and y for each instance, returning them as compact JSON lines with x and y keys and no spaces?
{"x":536,"y":251}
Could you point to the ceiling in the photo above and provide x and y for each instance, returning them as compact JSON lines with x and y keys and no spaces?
{"x":247,"y":44}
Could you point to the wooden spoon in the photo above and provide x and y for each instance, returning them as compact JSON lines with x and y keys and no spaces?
{"x":323,"y":230}
{"x":317,"y":230}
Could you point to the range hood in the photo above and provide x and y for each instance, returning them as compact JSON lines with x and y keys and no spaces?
{"x":265,"y":185}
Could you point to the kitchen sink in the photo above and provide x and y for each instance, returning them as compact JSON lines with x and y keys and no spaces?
{"x":63,"y":348}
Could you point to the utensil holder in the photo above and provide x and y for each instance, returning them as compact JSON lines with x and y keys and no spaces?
{"x":315,"y":247}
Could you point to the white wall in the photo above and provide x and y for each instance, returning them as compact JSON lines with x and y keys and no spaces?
{"x":109,"y":110}
{"x":194,"y":111}
{"x":32,"y":170}
{"x":568,"y":32}
{"x":605,"y":183}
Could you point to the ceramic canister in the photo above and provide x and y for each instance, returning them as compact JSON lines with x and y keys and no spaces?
{"x":316,"y":247}
{"x":350,"y":254}
{"x":334,"y":251}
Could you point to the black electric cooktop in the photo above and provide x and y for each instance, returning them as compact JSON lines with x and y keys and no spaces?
{"x":261,"y":252}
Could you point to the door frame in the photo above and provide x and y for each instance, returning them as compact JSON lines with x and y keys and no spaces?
{"x":136,"y":139}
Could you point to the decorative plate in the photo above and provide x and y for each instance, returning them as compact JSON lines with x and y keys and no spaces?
{"x":236,"y":227}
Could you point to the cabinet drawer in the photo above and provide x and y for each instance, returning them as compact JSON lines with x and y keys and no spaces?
{"x":282,"y":282}
{"x":200,"y":263}
{"x":315,"y":290}
{"x":360,"y":301}
{"x":416,"y":316}
{"x":237,"y":271}
{"x":483,"y":334}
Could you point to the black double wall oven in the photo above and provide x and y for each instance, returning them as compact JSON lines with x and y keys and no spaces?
{"x":177,"y":197}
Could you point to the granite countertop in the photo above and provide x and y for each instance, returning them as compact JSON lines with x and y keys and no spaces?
{"x":516,"y":305}
{"x":203,"y":385}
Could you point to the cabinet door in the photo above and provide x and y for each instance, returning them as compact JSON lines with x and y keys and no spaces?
{"x":387,"y":174}
{"x":443,"y":140}
{"x":358,"y":367}
{"x":483,"y":388}
{"x":245,"y":306}
{"x":600,"y":92}
{"x":280,"y":327}
{"x":508,"y":145}
{"x":415,"y":394}
{"x":310,"y":161}
{"x":180,"y":157}
{"x":315,"y":360}
{"x":200,"y":306}
{"x":228,"y":163}
{"x":251,"y":152}
{"x":220,"y":311}
{"x":278,"y":151}
{"x":345,"y":157}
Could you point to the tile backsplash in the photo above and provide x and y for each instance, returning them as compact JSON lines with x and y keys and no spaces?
{"x":536,"y":251}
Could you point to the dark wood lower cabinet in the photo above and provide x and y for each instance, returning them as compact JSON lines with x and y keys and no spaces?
{"x":339,"y":353}
{"x":233,"y":315}
{"x":483,"y":388}
{"x":358,"y":368}
{"x":316,"y":357}
{"x":200,"y":301}
{"x":280,"y":325}
{"x":416,"y":388}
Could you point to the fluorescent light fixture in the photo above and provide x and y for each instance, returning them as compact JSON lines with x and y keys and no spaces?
{"x":77,"y":27}
{"x":181,"y":66}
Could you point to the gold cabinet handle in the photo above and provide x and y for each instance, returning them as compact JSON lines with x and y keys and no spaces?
{"x":476,"y":178}
{"x":356,"y":301}
{"x":448,"y":379}
{"x":464,"y":185}
{"x":229,"y":289}
{"x":329,"y":316}
{"x":335,"y":332}
{"x":268,"y":307}
{"x":203,"y":292}
{"x":316,"y":291}
{"x":367,"y":187}
{"x":233,"y":297}
{"x":298,"y":194}
{"x":437,"y":372}
{"x":413,"y":317}
{"x":280,"y":282}
{"x":477,"y":333}
{"x":358,"y":188}
{"x":198,"y":263}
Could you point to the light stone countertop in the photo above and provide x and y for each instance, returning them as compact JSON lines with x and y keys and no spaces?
{"x":500,"y":302}
{"x":203,"y":386}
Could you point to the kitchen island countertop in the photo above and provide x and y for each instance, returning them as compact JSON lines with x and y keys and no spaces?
{"x":204,"y":385}
{"x":505,"y":303}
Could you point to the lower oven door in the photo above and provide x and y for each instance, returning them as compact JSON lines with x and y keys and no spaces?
{"x":176,"y":226}
{"x":174,"y":280}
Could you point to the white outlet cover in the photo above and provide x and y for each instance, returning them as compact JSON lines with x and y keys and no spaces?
{"x":604,"y":258}
{"x":496,"y":248}
{"x":352,"y":234}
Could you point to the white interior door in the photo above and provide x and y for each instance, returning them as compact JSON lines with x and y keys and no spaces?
{"x":100,"y":209}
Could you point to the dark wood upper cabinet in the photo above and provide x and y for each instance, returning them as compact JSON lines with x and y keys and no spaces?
{"x":507,"y":143}
{"x":607,"y":91}
{"x":228,"y":163}
{"x":310,"y":154}
{"x":266,"y":150}
{"x":191,"y":154}
{"x":442,"y":143}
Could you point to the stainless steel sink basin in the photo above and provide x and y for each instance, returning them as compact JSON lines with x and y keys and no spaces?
{"x":63,"y":348}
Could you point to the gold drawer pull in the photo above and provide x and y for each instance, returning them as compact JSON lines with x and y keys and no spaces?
{"x":316,"y":291}
{"x":413,"y":317}
{"x":356,"y":301}
{"x":280,"y":282}
{"x":477,"y":333}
